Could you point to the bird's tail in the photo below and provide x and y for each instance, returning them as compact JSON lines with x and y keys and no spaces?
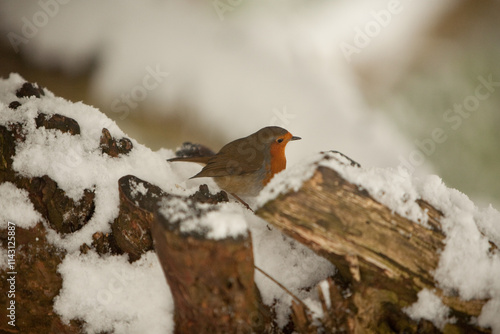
{"x":200,"y":160}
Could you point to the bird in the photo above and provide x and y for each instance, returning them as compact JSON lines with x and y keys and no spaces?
{"x":244,"y":166}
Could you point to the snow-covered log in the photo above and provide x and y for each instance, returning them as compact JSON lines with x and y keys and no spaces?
{"x":207,"y":257}
{"x":384,"y":258}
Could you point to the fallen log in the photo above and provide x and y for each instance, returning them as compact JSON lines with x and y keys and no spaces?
{"x":383,"y":259}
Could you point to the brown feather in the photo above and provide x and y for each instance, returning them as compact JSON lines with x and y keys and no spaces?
{"x":239,"y":157}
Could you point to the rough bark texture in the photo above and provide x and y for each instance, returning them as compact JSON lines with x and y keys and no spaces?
{"x":59,"y":122}
{"x":132,"y":227}
{"x":29,"y":89}
{"x":383,"y":259}
{"x":36,"y":284}
{"x":113,"y":147}
{"x":211,"y":281}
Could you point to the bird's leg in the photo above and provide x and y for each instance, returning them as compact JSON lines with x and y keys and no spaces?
{"x":242,"y":201}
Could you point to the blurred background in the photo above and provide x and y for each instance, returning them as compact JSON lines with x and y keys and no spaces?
{"x":388,"y":83}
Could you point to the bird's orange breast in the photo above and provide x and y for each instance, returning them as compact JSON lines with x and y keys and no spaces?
{"x":278,"y":161}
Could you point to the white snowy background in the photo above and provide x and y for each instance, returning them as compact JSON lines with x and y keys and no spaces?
{"x":228,"y":74}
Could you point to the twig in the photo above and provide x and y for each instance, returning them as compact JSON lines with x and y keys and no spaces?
{"x":282,"y":287}
{"x":242,"y":202}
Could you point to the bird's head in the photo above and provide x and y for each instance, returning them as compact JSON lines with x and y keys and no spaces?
{"x":275,"y":137}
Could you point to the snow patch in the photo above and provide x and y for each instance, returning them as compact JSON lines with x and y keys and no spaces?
{"x":226,"y":221}
{"x":287,"y":180}
{"x":392,"y":187}
{"x":289,"y":262}
{"x":16,"y":207}
{"x":137,"y":188}
{"x":112,"y":295}
{"x":325,"y":288}
{"x":429,"y":307}
{"x":489,"y":315}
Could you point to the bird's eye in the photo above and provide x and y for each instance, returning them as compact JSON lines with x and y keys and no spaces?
{"x":280,"y":140}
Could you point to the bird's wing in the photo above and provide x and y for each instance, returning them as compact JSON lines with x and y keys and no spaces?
{"x":236,"y":158}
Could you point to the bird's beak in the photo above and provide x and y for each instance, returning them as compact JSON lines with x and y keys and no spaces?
{"x":295,"y":138}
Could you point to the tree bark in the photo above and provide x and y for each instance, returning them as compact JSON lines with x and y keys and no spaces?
{"x":383,"y":259}
{"x":212,"y":281}
{"x":132,"y":228}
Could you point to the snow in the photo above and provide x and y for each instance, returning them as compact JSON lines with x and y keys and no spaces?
{"x":489,"y":315}
{"x":288,"y":180}
{"x":221,"y":224}
{"x":137,"y":189}
{"x":392,"y":187}
{"x":290,"y":263}
{"x":112,"y":295}
{"x":223,"y":221}
{"x":16,"y":207}
{"x":466,"y":263}
{"x":387,"y":185}
{"x":287,"y":261}
{"x":325,"y":288}
{"x":76,"y":162}
{"x":129,"y":297}
{"x":487,"y":221}
{"x":429,"y":307}
{"x":175,"y":209}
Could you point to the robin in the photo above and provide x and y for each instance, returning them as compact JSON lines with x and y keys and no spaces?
{"x":244,"y":166}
